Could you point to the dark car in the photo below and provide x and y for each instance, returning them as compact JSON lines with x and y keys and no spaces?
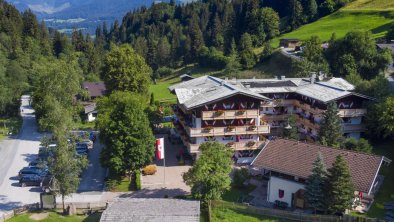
{"x":30,"y":180}
{"x":33,"y":171}
{"x":82,"y":149}
{"x":38,"y":163}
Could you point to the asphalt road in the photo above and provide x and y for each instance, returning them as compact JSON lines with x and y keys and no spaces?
{"x":15,"y":153}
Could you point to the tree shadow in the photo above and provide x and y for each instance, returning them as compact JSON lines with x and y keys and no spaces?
{"x":29,"y":157}
{"x":154,"y":193}
{"x":382,"y":28}
{"x":6,"y":205}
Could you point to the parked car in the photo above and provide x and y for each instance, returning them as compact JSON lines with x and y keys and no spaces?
{"x":88,"y":143}
{"x":38,"y":163}
{"x":33,"y":171}
{"x":30,"y":180}
{"x":82,"y":149}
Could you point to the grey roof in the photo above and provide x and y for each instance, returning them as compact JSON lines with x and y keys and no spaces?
{"x":90,"y":108}
{"x":387,"y":45}
{"x":95,"y":89}
{"x":152,"y":210}
{"x":206,"y":89}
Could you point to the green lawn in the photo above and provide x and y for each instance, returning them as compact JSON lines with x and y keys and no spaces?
{"x":234,"y":194}
{"x":55,"y":217}
{"x":7,"y":125}
{"x":386,"y":191}
{"x":371,"y":5}
{"x":231,"y":212}
{"x":342,"y":22}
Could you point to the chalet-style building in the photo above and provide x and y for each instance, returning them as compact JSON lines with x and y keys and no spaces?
{"x":288,"y":163}
{"x":289,"y":43}
{"x":94,"y":90}
{"x":242,"y":113}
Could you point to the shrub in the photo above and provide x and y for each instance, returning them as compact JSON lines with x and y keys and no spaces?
{"x":137,"y":179}
{"x":164,"y":71}
{"x":240,"y":176}
{"x":212,"y":58}
{"x":149,"y":170}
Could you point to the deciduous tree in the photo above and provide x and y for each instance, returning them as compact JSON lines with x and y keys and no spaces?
{"x":125,"y":70}
{"x":209,"y":177}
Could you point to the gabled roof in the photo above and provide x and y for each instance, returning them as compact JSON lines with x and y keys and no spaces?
{"x":295,"y":158}
{"x":95,"y":89}
{"x":90,"y":108}
{"x":207,"y":89}
{"x":152,"y":210}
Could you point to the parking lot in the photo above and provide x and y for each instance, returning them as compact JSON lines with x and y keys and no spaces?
{"x":17,"y":152}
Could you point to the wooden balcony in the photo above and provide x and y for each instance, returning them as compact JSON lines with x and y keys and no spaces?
{"x":307,"y":107}
{"x":280,"y":117}
{"x":228,"y":131}
{"x":352,"y":112}
{"x":306,"y":122}
{"x":278,"y":103}
{"x":353,"y":128}
{"x":194,"y":148}
{"x":230,"y":114}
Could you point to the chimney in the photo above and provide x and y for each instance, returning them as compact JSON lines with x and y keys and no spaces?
{"x":313,"y":77}
{"x":226,"y":79}
{"x":282,"y":77}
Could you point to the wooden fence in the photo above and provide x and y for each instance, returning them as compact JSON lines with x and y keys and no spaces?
{"x":283,"y":214}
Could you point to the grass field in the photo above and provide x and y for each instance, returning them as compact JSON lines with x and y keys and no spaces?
{"x":386,"y":191}
{"x":233,"y":212}
{"x":55,"y":217}
{"x":375,"y":16}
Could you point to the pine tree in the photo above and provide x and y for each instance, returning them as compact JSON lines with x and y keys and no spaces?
{"x":291,"y":133}
{"x":340,"y":188}
{"x":315,"y":183}
{"x":330,"y":129}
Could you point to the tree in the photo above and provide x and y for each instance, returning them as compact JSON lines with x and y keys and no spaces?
{"x":390,"y":35}
{"x":270,"y":21}
{"x":315,"y":184}
{"x":330,"y":133}
{"x":386,"y":119}
{"x":361,"y":145}
{"x":125,"y":70}
{"x":125,"y":132}
{"x":292,"y":132}
{"x":310,"y":10}
{"x":66,"y":166}
{"x":163,"y":52}
{"x":209,"y":177}
{"x":340,"y":188}
{"x":296,"y":16}
{"x":247,"y":56}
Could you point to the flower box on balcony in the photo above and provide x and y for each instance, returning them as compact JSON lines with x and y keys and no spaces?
{"x":208,"y":129}
{"x":230,"y":128}
{"x":251,"y":128}
{"x":240,"y":112}
{"x":250,"y":143}
{"x":230,"y":144}
{"x":218,"y":113}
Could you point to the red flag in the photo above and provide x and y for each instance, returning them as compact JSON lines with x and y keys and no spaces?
{"x":160,"y":148}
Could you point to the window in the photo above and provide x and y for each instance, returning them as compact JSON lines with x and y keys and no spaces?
{"x":281,"y":193}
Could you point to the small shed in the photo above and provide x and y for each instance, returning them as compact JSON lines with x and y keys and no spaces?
{"x":152,"y":210}
{"x":90,"y":112}
{"x":289,"y":43}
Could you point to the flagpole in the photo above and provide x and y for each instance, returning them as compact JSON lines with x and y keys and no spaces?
{"x":164,"y":167}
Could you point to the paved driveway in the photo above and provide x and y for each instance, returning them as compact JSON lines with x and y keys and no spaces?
{"x":15,"y":153}
{"x":153,"y":185}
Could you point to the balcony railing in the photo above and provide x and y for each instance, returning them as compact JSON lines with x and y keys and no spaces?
{"x":350,"y":128}
{"x":307,"y":107}
{"x":230,"y":114}
{"x":307,"y":122}
{"x":352,"y":112}
{"x":224,"y":131}
{"x":251,"y":145}
{"x":278,"y":103}
{"x":280,"y":117}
